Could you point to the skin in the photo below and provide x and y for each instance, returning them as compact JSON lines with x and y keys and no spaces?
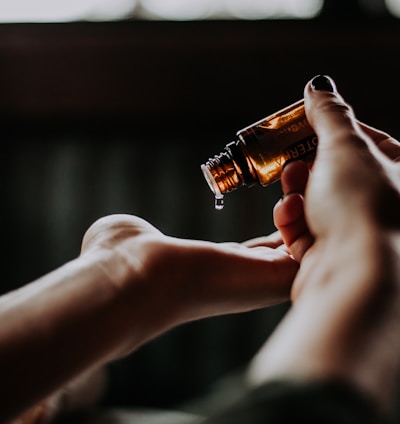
{"x":130,"y":284}
{"x":340,"y":220}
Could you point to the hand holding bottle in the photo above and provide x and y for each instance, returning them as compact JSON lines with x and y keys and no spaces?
{"x":354,"y":184}
{"x":341,"y":221}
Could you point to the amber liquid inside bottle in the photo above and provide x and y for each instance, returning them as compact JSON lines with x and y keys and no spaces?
{"x":261,"y":150}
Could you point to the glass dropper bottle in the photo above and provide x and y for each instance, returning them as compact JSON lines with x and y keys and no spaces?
{"x":258,"y":154}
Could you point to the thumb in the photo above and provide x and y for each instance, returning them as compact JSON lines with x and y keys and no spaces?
{"x":347,"y":172}
{"x":332,"y":119}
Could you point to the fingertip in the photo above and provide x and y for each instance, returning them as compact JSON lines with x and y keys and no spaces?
{"x":323,"y":83}
{"x":288,"y":211}
{"x":330,"y":116}
{"x":290,"y":220}
{"x":294,"y":177}
{"x":320,"y":85}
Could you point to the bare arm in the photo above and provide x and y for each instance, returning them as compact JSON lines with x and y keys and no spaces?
{"x":130,"y":284}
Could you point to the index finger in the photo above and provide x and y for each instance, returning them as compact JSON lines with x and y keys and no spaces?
{"x":386,"y":144}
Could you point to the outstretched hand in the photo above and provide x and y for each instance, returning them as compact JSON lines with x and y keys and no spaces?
{"x":130,"y":283}
{"x":182,"y":280}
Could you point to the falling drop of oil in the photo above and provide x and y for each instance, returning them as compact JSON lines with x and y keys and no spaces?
{"x":219,"y":202}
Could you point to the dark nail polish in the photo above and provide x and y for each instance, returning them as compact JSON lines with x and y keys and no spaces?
{"x":322,"y":83}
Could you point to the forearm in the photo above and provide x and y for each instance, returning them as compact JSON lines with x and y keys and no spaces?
{"x":343,"y":326}
{"x":78,"y":395}
{"x":59,"y":326}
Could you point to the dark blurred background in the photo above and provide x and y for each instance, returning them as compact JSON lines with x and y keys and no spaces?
{"x":102,"y":117}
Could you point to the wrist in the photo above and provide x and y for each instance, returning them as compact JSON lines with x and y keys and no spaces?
{"x":143,"y":301}
{"x":344,"y":322}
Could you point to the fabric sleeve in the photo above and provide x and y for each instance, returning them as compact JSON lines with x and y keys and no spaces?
{"x":281,"y":402}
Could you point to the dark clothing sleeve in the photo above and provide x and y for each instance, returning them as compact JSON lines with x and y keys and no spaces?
{"x":281,"y":402}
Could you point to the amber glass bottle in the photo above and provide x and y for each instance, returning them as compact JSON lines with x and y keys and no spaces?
{"x":259,"y":152}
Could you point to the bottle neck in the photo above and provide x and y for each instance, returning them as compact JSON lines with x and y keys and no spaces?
{"x":228,"y":171}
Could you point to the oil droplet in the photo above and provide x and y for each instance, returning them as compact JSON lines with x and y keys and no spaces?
{"x":219,"y":202}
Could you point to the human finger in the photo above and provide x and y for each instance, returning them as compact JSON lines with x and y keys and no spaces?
{"x":294,"y":177}
{"x":330,"y":116}
{"x":386,"y":144}
{"x":225,"y":279}
{"x":347,"y":174}
{"x":290,"y":219}
{"x":272,"y":240}
{"x":288,"y":213}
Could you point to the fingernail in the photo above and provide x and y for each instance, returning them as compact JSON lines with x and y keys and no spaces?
{"x":323,"y":83}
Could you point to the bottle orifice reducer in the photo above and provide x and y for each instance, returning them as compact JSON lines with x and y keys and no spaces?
{"x":260,"y":151}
